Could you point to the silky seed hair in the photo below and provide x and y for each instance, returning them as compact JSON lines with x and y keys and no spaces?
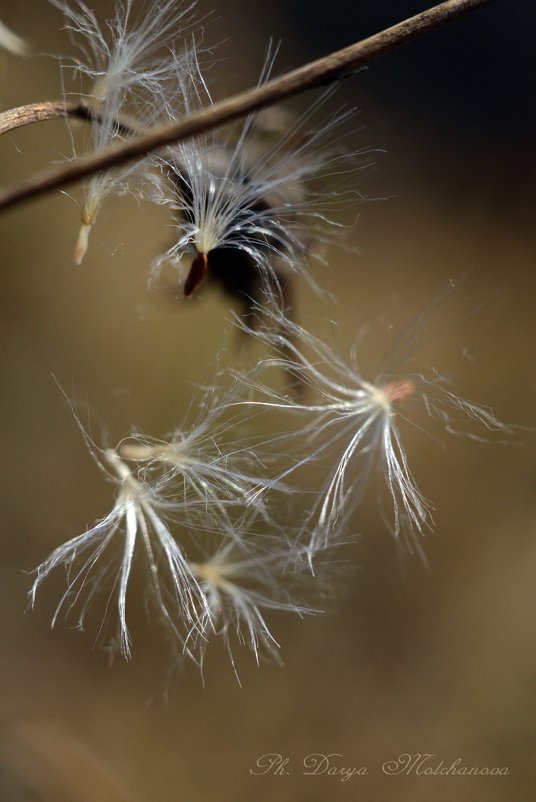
{"x":209,"y":508}
{"x":251,"y":201}
{"x":358,"y":419}
{"x":204,"y":483}
{"x":124,"y":63}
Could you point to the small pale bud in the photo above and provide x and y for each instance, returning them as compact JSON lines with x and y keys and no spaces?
{"x":80,"y":249}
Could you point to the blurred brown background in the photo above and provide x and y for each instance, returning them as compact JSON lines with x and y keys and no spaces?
{"x":438,"y":662}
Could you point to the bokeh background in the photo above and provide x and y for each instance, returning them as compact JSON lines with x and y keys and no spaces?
{"x":406,"y":660}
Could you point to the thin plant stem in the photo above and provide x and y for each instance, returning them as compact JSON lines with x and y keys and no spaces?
{"x":52,"y":110}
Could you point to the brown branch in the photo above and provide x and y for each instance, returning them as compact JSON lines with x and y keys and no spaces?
{"x":53,"y":110}
{"x":317,"y":73}
{"x":37,"y":112}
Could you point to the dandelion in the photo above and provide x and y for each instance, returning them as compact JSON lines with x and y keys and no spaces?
{"x":123,"y":63}
{"x":248,"y":201}
{"x":360,"y":419}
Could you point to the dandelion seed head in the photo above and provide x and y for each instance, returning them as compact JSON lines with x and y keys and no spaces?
{"x":249,"y":206}
{"x":357,"y":420}
{"x":99,"y":561}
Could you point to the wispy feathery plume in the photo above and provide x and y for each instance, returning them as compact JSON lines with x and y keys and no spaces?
{"x":210,"y":463}
{"x":359,"y":419}
{"x":251,"y":200}
{"x":170,"y":496}
{"x":251,"y":204}
{"x":124,"y":63}
{"x":242,"y":584}
{"x":139,"y":520}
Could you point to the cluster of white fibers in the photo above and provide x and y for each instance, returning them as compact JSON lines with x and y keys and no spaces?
{"x":339,"y":410}
{"x":207,"y":507}
{"x":123,"y":64}
{"x":189,"y":506}
{"x":253,"y":201}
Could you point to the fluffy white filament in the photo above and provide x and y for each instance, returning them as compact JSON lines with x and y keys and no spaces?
{"x":124,"y":64}
{"x":358,"y":419}
{"x":257,"y":188}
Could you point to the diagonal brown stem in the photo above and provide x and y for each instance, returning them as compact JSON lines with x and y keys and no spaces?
{"x":323,"y":71}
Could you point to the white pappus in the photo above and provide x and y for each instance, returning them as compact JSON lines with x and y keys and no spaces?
{"x":243,"y":582}
{"x":100,"y":560}
{"x":359,"y":420}
{"x":250,"y":201}
{"x":124,"y":63}
{"x":170,"y":496}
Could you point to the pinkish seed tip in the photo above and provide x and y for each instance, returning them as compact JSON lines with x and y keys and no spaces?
{"x":399,"y":391}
